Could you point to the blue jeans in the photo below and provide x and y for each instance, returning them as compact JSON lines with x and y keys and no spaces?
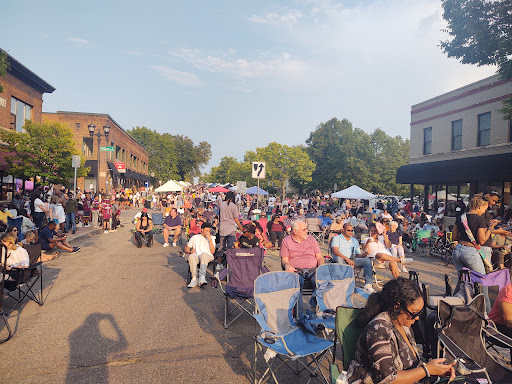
{"x":361,"y":262}
{"x":70,"y":219}
{"x":464,"y":256}
{"x":225,"y":242}
{"x":306,"y":276}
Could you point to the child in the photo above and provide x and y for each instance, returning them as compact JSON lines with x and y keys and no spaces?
{"x":106,"y":212}
{"x":87,"y":211}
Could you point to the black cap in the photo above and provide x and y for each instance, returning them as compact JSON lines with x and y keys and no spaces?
{"x":493,"y":191}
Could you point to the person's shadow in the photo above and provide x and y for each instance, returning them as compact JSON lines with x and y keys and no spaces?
{"x":90,"y":346}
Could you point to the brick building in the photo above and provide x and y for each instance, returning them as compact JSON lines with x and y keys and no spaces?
{"x":460,"y":140}
{"x":22,"y":98}
{"x":127,"y":151}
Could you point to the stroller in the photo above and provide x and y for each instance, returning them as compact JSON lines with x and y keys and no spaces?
{"x":461,"y":330}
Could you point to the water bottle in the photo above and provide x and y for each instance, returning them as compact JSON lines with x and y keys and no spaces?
{"x":343,"y":378}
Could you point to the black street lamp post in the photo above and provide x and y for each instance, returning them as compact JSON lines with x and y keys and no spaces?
{"x":99,"y":135}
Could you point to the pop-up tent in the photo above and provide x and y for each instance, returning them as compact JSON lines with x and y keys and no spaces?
{"x":254,"y":191}
{"x":218,"y":188}
{"x":353,"y":192}
{"x":170,"y":186}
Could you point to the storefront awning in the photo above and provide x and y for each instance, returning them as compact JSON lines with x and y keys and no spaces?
{"x":458,"y":171}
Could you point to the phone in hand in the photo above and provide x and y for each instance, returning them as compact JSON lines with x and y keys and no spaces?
{"x":456,"y":360}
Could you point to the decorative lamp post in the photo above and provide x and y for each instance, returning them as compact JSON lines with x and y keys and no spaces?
{"x":99,"y":135}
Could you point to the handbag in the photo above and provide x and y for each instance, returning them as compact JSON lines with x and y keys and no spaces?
{"x":487,"y":264}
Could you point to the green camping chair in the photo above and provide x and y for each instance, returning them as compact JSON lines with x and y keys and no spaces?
{"x":347,"y":333}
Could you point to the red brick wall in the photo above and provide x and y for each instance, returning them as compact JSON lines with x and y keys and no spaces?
{"x":18,"y":89}
{"x":117,"y":135}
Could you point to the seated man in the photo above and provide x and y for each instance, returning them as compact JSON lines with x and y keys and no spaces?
{"x":200,"y":249}
{"x":48,"y":242}
{"x":337,"y":226}
{"x":500,"y":249}
{"x":326,"y":220}
{"x":346,"y":250}
{"x":377,"y":247}
{"x":501,"y":312}
{"x":248,"y":238}
{"x":172,"y":225}
{"x":300,"y":253}
{"x":144,"y":228}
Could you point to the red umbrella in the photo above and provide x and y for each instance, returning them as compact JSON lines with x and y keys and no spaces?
{"x":218,"y":188}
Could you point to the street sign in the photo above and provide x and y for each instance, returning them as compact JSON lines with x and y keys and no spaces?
{"x":258,"y":169}
{"x":108,"y":149}
{"x":241,"y":186}
{"x":121,"y":167}
{"x":75,"y":161}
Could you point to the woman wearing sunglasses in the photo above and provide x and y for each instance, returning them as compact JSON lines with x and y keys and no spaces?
{"x":386,"y":350}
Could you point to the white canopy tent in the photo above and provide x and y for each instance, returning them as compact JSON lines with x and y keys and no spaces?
{"x":170,"y":186}
{"x":353,"y":192}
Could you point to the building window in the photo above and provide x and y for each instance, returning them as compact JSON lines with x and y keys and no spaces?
{"x":22,"y":112}
{"x":456,"y":135}
{"x":77,"y":125}
{"x":427,"y":141}
{"x":484,"y":129}
{"x":87,"y":147}
{"x":510,"y":131}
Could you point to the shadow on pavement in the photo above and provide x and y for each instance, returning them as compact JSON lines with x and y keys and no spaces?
{"x":90,"y":346}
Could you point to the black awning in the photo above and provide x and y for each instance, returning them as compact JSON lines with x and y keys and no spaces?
{"x":480,"y":168}
{"x":113,"y":169}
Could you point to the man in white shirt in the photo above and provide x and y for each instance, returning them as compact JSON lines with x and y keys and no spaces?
{"x":200,"y":249}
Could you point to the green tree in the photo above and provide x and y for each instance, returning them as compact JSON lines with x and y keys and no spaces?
{"x":44,"y":150}
{"x":283,"y":163}
{"x":172,"y":156}
{"x":229,"y":170}
{"x":161,"y":150}
{"x":4,"y":66}
{"x":481,"y":33}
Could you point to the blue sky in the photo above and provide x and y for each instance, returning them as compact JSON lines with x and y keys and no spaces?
{"x":238,"y":74}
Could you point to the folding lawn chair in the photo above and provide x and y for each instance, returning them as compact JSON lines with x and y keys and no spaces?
{"x":158,"y":222}
{"x":346,"y":333}
{"x":27,"y":278}
{"x":276,"y":294}
{"x":335,"y":286}
{"x":244,"y":265}
{"x":3,"y":314}
{"x":460,"y":336}
{"x":315,"y":229}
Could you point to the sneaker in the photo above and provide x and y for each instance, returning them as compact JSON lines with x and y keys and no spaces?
{"x":404,"y":270}
{"x":73,"y":232}
{"x":202,"y":281}
{"x":75,"y":250}
{"x":193,"y":283}
{"x":166,"y":245}
{"x":173,"y":244}
{"x":219,"y":267}
{"x":369,"y":288}
{"x":105,"y":231}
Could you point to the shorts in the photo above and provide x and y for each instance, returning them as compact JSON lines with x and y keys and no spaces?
{"x":56,"y":221}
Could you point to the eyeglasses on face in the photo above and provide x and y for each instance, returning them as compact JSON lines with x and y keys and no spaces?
{"x":412,"y":315}
{"x":349,"y":230}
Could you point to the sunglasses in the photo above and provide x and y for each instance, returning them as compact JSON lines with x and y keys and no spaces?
{"x":15,"y":230}
{"x":412,"y":315}
{"x":349,"y":230}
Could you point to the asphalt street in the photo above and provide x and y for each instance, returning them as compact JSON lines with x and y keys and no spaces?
{"x":114,"y":313}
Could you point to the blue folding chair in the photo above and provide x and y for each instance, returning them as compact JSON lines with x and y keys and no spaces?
{"x":244,"y":265}
{"x":276,"y":294}
{"x":335,"y":286}
{"x":158,"y":222}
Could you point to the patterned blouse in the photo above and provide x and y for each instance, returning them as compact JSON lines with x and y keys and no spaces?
{"x":382,"y":352}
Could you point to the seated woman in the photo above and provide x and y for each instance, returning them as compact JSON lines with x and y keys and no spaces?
{"x":386,"y":350}
{"x":377,"y":248}
{"x":261,"y":235}
{"x":17,"y":257}
{"x":248,"y":238}
{"x":276,"y":229}
{"x":501,"y":312}
{"x":144,"y":228}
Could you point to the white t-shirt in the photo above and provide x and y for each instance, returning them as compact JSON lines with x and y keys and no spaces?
{"x":200,"y":244}
{"x":37,"y":203}
{"x":377,"y":247}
